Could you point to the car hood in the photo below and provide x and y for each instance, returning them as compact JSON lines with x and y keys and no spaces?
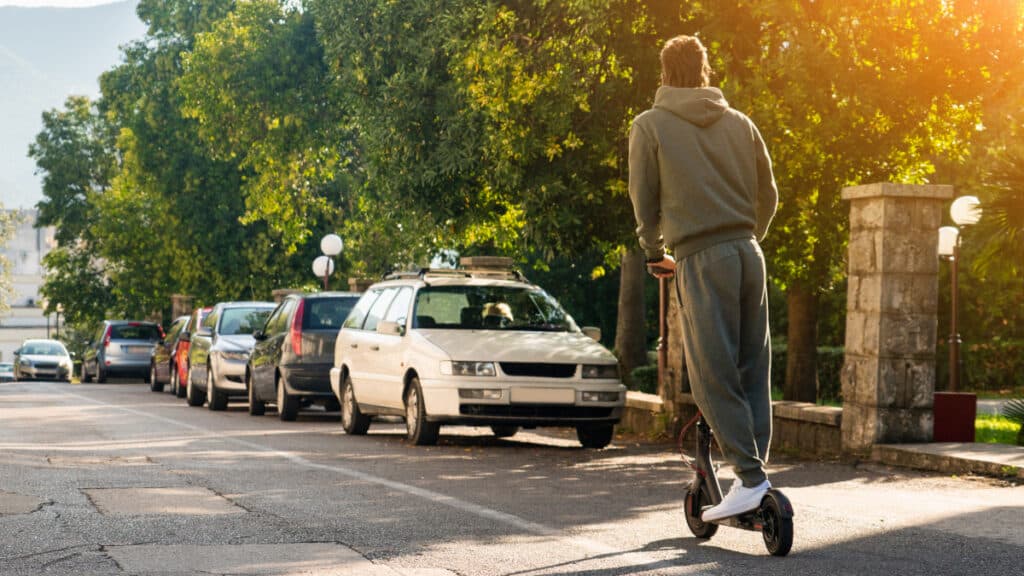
{"x":518,"y":346}
{"x":44,"y":358}
{"x":236,"y":343}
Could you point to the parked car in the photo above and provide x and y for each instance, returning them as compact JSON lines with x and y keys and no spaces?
{"x":6,"y":372}
{"x":120,"y":348}
{"x":219,"y":352}
{"x":42,"y":360}
{"x":179,"y":363}
{"x":474,"y":346}
{"x":294,"y":351}
{"x":163,"y":354}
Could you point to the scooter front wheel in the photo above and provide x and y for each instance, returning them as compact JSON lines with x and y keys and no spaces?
{"x":777,"y":516}
{"x":696,"y":500}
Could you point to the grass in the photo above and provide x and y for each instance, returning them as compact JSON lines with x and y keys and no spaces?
{"x":992,"y":429}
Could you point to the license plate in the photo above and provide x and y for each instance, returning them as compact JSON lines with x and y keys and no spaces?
{"x":138,"y":349}
{"x":543,"y":396}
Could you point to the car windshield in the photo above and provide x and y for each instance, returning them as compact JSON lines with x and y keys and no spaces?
{"x":243,"y":320}
{"x":490,"y":308}
{"x":135,"y":332}
{"x":6,"y":367}
{"x":43,"y":349}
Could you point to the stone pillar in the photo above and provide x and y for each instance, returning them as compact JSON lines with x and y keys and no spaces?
{"x":888,"y":374}
{"x":181,"y":305}
{"x":360,"y":284}
{"x":281,"y":293}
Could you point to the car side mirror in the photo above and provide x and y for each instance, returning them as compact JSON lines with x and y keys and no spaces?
{"x":205,"y":331}
{"x":593,"y":332}
{"x":388,"y":327}
{"x":185,"y":337}
{"x":259,"y":335}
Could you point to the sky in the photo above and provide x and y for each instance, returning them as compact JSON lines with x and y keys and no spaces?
{"x":62,"y":3}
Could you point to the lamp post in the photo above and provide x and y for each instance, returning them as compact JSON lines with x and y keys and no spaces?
{"x":965,"y":211}
{"x":323,"y":266}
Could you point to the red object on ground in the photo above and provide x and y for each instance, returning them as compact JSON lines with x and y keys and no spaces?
{"x":954,"y":416}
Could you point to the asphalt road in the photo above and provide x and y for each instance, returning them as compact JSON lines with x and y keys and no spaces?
{"x":115,"y":479}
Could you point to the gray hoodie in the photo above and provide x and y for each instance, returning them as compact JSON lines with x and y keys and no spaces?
{"x":699,"y":173}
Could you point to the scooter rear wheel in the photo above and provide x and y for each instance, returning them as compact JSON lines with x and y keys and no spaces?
{"x":778,"y":526}
{"x":696,"y":500}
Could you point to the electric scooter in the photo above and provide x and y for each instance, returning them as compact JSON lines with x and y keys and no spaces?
{"x":773,"y":518}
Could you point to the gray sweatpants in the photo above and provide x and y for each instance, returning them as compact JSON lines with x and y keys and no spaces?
{"x":728,"y":353}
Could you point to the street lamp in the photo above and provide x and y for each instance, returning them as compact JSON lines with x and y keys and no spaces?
{"x":965,"y":211}
{"x":323,"y":266}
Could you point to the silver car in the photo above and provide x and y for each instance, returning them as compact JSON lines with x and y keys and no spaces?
{"x":42,"y":360}
{"x":120,"y":348}
{"x":220,"y":350}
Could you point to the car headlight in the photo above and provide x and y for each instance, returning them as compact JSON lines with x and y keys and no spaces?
{"x":236,"y":356}
{"x":453,"y":368}
{"x":24,"y":362}
{"x":600,"y":396}
{"x":603,"y":371}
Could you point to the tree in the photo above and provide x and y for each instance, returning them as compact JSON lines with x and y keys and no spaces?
{"x":846,"y":93}
{"x":8,"y":225}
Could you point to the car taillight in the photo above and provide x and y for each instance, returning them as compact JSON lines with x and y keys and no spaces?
{"x":106,"y":337}
{"x":297,"y":328}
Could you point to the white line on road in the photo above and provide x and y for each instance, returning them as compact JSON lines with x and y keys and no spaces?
{"x":589,"y":545}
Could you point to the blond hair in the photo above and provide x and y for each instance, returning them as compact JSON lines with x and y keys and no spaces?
{"x":684,"y":63}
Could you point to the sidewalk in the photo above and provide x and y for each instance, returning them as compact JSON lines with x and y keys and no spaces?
{"x":955,"y":458}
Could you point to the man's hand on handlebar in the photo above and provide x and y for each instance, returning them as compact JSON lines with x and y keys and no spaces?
{"x":664,"y":268}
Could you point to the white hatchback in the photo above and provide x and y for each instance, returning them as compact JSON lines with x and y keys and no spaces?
{"x":481,"y":347}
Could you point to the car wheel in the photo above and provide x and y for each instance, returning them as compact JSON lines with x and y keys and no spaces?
{"x":215,"y":399}
{"x":287,"y":404}
{"x":353,"y":421}
{"x":417,"y":429}
{"x":85,"y":375}
{"x":595,"y":435}
{"x":257,"y":407}
{"x":179,"y":390}
{"x":154,"y":384}
{"x":504,"y":430}
{"x":193,"y":396}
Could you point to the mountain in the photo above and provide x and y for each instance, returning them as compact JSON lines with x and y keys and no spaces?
{"x":47,"y":54}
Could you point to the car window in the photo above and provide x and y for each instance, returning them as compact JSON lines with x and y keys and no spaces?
{"x":399,"y":309}
{"x":242,"y":320}
{"x":362,"y":308}
{"x":279,"y":317}
{"x":135,"y":331}
{"x":176,"y":329}
{"x":43,"y":349}
{"x":326,"y":313}
{"x":490,"y":307}
{"x":379,"y":307}
{"x":211,"y":319}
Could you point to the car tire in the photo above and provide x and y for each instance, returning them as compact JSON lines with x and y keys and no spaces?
{"x":154,"y":384}
{"x":178,"y":389}
{"x":86,"y":378}
{"x":353,"y":421}
{"x":287,"y":404}
{"x":215,"y":399}
{"x":257,"y":407}
{"x":504,"y":430}
{"x":417,"y":429}
{"x":193,"y":396}
{"x":595,"y":435}
{"x":101,"y":375}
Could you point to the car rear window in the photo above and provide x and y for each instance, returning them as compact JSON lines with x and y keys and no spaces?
{"x":326,"y":313}
{"x":243,"y":320}
{"x":134,"y":332}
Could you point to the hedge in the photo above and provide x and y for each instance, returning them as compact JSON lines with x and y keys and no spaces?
{"x":994,"y":366}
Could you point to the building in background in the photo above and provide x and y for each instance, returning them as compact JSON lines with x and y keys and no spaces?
{"x":25,"y":252}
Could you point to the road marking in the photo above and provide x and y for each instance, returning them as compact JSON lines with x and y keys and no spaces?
{"x":589,"y":545}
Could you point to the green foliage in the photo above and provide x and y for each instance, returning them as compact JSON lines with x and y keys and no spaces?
{"x":829,"y":365}
{"x":993,"y":429}
{"x":992,"y":365}
{"x":645,"y":379}
{"x":8,"y":225}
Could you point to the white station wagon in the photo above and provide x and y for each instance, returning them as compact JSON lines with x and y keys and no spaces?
{"x":476,"y":346}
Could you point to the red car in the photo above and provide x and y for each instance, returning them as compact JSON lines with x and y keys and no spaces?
{"x":170,"y":356}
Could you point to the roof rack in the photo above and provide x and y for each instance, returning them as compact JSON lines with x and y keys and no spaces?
{"x":496,"y":267}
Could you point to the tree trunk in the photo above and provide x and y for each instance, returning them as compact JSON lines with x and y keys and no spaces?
{"x":630,"y":332}
{"x":801,"y":344}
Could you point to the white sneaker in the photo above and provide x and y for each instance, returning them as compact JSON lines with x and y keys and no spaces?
{"x":740,"y":499}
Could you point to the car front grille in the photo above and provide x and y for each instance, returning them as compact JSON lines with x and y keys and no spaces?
{"x":534,"y":411}
{"x":538,"y":369}
{"x":45,"y":365}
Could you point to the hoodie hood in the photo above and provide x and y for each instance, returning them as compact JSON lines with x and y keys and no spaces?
{"x":699,"y":106}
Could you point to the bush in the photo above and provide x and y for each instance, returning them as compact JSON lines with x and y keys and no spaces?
{"x":645,"y":379}
{"x":994,"y":366}
{"x":830,"y":365}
